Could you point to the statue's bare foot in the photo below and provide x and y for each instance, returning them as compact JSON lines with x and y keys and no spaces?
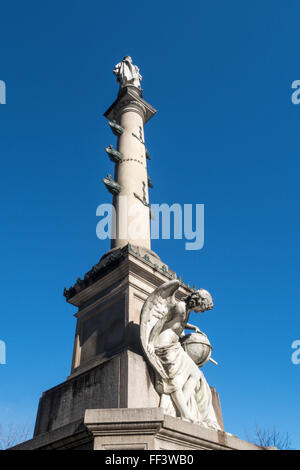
{"x":189,"y":420}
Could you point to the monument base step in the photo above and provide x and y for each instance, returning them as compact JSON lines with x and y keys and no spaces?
{"x":134,"y":429}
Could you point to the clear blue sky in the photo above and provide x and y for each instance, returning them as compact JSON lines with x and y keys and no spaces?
{"x":226,"y":135}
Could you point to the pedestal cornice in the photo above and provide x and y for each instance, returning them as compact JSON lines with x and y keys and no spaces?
{"x":130,"y":100}
{"x":84,"y":289}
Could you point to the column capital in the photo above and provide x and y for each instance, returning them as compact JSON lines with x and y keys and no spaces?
{"x":130,"y":99}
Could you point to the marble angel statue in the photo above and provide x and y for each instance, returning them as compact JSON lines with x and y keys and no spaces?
{"x":180,"y":383}
{"x":127,"y":73}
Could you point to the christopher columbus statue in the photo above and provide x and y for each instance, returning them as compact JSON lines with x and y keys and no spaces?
{"x":127,"y":73}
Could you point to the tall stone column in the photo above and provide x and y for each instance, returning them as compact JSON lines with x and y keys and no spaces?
{"x":127,"y":117}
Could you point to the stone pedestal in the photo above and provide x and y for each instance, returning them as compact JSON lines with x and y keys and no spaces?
{"x":109,"y":300}
{"x":121,"y":382}
{"x":134,"y":429}
{"x":150,"y":429}
{"x":109,"y":371}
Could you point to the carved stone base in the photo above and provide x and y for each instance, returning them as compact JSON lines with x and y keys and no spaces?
{"x":109,"y":370}
{"x":134,"y":429}
{"x":121,"y":382}
{"x":150,"y":429}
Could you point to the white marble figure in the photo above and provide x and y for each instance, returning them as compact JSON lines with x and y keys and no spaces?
{"x":127,"y":73}
{"x":183,"y":389}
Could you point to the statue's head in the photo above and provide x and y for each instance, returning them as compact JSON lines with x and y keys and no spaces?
{"x":128,"y":58}
{"x":199,"y":301}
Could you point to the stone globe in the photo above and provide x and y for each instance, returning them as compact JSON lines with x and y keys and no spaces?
{"x":198,"y":347}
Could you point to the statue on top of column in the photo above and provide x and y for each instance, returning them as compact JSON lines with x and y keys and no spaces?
{"x":127,"y":73}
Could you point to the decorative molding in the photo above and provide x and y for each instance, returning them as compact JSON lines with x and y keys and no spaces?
{"x":108,"y":263}
{"x":132,"y":103}
{"x":92,"y":276}
{"x":129,"y":100}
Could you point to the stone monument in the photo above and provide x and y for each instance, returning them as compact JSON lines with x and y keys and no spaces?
{"x":135,"y":381}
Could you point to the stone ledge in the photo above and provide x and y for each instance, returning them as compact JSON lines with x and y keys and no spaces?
{"x":130,"y":95}
{"x":151,"y":266}
{"x":72,"y":435}
{"x":134,"y":428}
{"x":117,"y":426}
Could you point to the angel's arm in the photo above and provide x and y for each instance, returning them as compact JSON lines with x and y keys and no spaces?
{"x":188,"y":326}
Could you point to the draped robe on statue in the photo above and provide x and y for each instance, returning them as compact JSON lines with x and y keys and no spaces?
{"x":126,"y":72}
{"x":178,"y":366}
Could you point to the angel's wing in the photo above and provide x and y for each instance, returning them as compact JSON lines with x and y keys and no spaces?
{"x":154,"y":309}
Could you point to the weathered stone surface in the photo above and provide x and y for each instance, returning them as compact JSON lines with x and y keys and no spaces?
{"x":112,"y":384}
{"x":73,"y":436}
{"x":67,"y":402}
{"x":217,"y":407}
{"x":150,"y":429}
{"x":134,"y":429}
{"x":108,"y":317}
{"x":108,"y":370}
